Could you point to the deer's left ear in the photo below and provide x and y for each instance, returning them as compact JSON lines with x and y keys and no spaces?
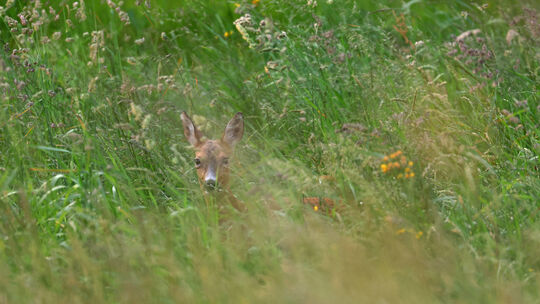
{"x":234,"y":130}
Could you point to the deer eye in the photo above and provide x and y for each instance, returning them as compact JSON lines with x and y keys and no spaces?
{"x":197,"y":162}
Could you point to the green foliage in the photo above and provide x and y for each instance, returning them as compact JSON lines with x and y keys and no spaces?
{"x":99,"y":201}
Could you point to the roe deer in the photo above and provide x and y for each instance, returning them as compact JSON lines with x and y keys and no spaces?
{"x":212,"y":156}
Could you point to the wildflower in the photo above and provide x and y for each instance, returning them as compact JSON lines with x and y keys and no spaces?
{"x":401,"y":231}
{"x":124,"y":17}
{"x":24,"y":22}
{"x":409,"y":175}
{"x":27,"y":31}
{"x":395,"y":154}
{"x":228,"y":34}
{"x":510,"y":116}
{"x":394,"y":167}
{"x":521,"y":103}
{"x":419,"y":234}
{"x":11,"y":22}
{"x":241,"y":24}
{"x":139,"y":41}
{"x":316,"y":208}
{"x":255,"y":2}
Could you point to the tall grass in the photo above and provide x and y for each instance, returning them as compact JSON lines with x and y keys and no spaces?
{"x":99,"y":201}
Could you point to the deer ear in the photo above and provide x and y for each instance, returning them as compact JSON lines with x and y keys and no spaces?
{"x":234,"y":130}
{"x":193,"y":135}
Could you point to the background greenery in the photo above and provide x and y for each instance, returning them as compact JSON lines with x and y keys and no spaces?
{"x":99,"y":201}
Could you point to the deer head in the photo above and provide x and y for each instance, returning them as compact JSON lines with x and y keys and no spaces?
{"x":212,"y":156}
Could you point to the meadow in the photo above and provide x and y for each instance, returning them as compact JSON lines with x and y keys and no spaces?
{"x":390,"y":153}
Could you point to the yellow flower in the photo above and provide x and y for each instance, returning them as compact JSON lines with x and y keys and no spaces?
{"x":399,"y":175}
{"x":407,"y":170}
{"x":228,"y":34}
{"x":384,"y":168}
{"x":411,"y":164}
{"x":237,"y":4}
{"x":385,"y":158}
{"x":255,"y":2}
{"x":419,"y":234}
{"x":401,"y":231}
{"x":316,"y":208}
{"x":412,"y":174}
{"x":396,"y":165}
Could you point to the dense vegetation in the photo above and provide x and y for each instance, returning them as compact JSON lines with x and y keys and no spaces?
{"x":390,"y":152}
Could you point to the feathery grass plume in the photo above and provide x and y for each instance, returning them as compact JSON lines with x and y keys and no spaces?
{"x":80,"y":10}
{"x":96,"y":44}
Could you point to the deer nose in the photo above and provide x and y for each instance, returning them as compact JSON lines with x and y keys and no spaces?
{"x":210,"y":177}
{"x":210,"y":183}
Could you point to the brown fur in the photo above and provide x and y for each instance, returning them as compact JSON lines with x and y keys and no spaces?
{"x":213,"y":153}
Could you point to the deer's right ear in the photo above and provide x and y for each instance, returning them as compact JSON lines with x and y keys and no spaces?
{"x":234,"y":130}
{"x":193,"y":135}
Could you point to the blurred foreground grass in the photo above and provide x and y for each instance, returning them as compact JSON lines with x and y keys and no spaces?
{"x":99,"y":200}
